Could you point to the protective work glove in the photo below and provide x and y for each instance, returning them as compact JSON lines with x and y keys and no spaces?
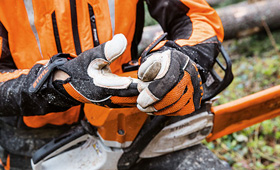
{"x":175,"y":87}
{"x":91,"y":81}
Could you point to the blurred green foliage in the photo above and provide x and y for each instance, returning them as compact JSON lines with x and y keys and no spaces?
{"x":228,"y":2}
{"x":148,"y":19}
{"x":255,"y":67}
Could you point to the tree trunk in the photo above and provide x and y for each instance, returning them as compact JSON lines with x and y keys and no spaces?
{"x":214,"y":2}
{"x":239,"y":20}
{"x":245,"y":18}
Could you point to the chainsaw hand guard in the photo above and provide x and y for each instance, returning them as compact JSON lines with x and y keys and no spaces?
{"x":214,"y":83}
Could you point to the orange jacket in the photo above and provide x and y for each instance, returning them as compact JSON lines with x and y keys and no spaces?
{"x":32,"y":31}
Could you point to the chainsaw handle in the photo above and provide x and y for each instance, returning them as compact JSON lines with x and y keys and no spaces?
{"x":54,"y":147}
{"x":214,"y":83}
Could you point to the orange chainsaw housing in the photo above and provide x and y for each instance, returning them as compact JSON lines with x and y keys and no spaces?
{"x":116,"y":124}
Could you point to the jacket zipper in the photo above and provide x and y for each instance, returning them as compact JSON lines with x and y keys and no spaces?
{"x":93,"y":26}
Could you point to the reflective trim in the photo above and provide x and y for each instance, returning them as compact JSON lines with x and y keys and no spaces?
{"x":73,"y":92}
{"x":30,"y":12}
{"x":112,"y":14}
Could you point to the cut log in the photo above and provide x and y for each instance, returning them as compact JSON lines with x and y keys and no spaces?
{"x":214,"y":2}
{"x":239,"y":20}
{"x":245,"y":18}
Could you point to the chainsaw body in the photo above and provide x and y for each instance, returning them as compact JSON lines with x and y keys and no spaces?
{"x":84,"y":148}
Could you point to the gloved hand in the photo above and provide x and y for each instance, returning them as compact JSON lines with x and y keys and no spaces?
{"x":91,"y":80}
{"x":175,"y":87}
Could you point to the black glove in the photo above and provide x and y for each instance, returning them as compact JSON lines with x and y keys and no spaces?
{"x":33,"y":92}
{"x":175,"y":85}
{"x":91,"y":80}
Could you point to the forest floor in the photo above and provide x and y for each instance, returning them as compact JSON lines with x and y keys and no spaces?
{"x":256,"y":65}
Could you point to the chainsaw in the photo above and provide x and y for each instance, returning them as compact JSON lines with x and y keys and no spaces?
{"x":119,"y":138}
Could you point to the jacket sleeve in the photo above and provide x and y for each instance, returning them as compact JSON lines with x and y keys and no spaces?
{"x":193,"y":27}
{"x":15,"y":98}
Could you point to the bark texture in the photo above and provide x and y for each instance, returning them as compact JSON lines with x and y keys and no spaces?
{"x":245,"y":18}
{"x":214,"y":2}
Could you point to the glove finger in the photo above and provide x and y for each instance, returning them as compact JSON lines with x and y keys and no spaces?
{"x":185,"y":101}
{"x":130,"y":91}
{"x":149,"y":109}
{"x":197,"y":84}
{"x":111,"y":81}
{"x":192,"y":97}
{"x":105,"y":79}
{"x":187,"y":109}
{"x":186,"y":98}
{"x":170,"y":98}
{"x":115,"y":47}
{"x":73,"y":92}
{"x":175,"y":94}
{"x":124,"y":101}
{"x":106,"y":53}
{"x":158,"y":88}
{"x":155,"y":67}
{"x":99,"y":70}
{"x":96,"y":59}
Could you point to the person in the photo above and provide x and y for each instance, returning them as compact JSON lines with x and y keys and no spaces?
{"x":57,"y":56}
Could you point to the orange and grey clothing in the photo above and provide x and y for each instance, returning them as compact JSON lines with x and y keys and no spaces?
{"x":33,"y":31}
